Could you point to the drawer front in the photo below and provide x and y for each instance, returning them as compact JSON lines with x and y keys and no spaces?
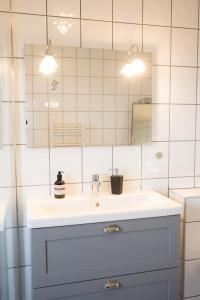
{"x":157,"y":285}
{"x":192,"y":209}
{"x":192,"y":240}
{"x":79,"y":253}
{"x":192,"y":278}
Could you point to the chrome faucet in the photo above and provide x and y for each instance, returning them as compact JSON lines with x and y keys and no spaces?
{"x":95,"y":185}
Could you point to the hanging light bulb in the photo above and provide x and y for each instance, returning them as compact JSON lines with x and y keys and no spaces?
{"x":48,"y":65}
{"x":135,"y":65}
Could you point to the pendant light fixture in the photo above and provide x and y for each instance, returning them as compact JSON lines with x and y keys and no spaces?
{"x":135,"y":65}
{"x":48,"y":65}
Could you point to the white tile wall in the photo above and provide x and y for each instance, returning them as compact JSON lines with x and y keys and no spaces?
{"x":64,"y":8}
{"x":175,"y":125}
{"x":97,"y":9}
{"x":185,"y":13}
{"x":157,"y":12}
{"x":28,"y":6}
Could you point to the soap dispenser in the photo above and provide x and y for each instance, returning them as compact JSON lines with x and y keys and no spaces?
{"x":116,"y":182}
{"x":59,"y":186}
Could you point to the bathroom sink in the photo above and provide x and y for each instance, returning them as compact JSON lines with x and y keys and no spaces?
{"x":81,"y":210}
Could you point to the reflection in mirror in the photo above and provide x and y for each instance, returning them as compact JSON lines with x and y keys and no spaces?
{"x":87,"y":101}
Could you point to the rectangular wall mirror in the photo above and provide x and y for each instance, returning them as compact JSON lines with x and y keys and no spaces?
{"x":87,"y":101}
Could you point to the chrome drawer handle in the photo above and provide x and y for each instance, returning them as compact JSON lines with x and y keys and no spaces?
{"x":112,"y":284}
{"x":112,"y":228}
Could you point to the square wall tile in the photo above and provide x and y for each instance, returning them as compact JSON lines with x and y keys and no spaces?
{"x":29,"y":6}
{"x":20,"y":83}
{"x":96,"y":160}
{"x":160,"y":84}
{"x":96,"y":9}
{"x":7,"y":165}
{"x":198,"y":123}
{"x":27,"y":29}
{"x":158,"y":185}
{"x":96,"y":34}
{"x":160,"y":122}
{"x":5,"y":35}
{"x":125,"y":35}
{"x":184,"y":47}
{"x":24,"y":194}
{"x":131,"y":185}
{"x":157,"y":41}
{"x":185,"y":13}
{"x":64,"y":8}
{"x":5,"y":66}
{"x":9,"y":195}
{"x":198,"y":87}
{"x":128,"y":160}
{"x":67,"y":160}
{"x":155,"y":160}
{"x":197,"y":182}
{"x":127,"y":11}
{"x":182,"y":122}
{"x":64,"y":32}
{"x":183,"y":85}
{"x":13,"y":283}
{"x":5,"y":5}
{"x":181,"y":183}
{"x":32,"y":166}
{"x":26,"y":282}
{"x":12,"y":247}
{"x":181,"y":159}
{"x":157,"y":12}
{"x":197,"y":159}
{"x":8,"y":134}
{"x":25,"y":246}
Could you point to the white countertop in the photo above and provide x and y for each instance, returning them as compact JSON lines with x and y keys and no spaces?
{"x":2,"y":214}
{"x":186,"y":193}
{"x":52,"y":212}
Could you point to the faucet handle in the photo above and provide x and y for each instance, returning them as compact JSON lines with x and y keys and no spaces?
{"x":95,"y":177}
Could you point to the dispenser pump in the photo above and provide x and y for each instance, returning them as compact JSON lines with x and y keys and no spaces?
{"x":59,"y":186}
{"x":59,"y":175}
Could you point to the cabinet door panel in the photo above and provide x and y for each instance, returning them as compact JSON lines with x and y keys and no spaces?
{"x":157,"y":285}
{"x":79,"y":253}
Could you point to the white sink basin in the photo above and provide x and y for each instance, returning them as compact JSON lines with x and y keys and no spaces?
{"x":81,"y":210}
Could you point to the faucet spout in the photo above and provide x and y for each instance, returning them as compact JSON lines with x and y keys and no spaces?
{"x":95,"y":185}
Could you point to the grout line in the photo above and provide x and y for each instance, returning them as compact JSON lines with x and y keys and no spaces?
{"x":197,"y":78}
{"x":170,"y":83}
{"x":99,"y":20}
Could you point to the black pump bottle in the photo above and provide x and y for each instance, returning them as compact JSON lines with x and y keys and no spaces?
{"x":59,"y":186}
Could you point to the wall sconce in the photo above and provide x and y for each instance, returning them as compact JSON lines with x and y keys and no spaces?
{"x":48,"y":65}
{"x":135,"y":64}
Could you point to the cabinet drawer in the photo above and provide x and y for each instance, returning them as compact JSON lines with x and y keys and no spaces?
{"x":157,"y":285}
{"x":191,"y":280}
{"x":192,"y":240}
{"x":85,"y":252}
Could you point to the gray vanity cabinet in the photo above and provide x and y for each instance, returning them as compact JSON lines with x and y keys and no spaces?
{"x":75,"y":262}
{"x":157,"y":285}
